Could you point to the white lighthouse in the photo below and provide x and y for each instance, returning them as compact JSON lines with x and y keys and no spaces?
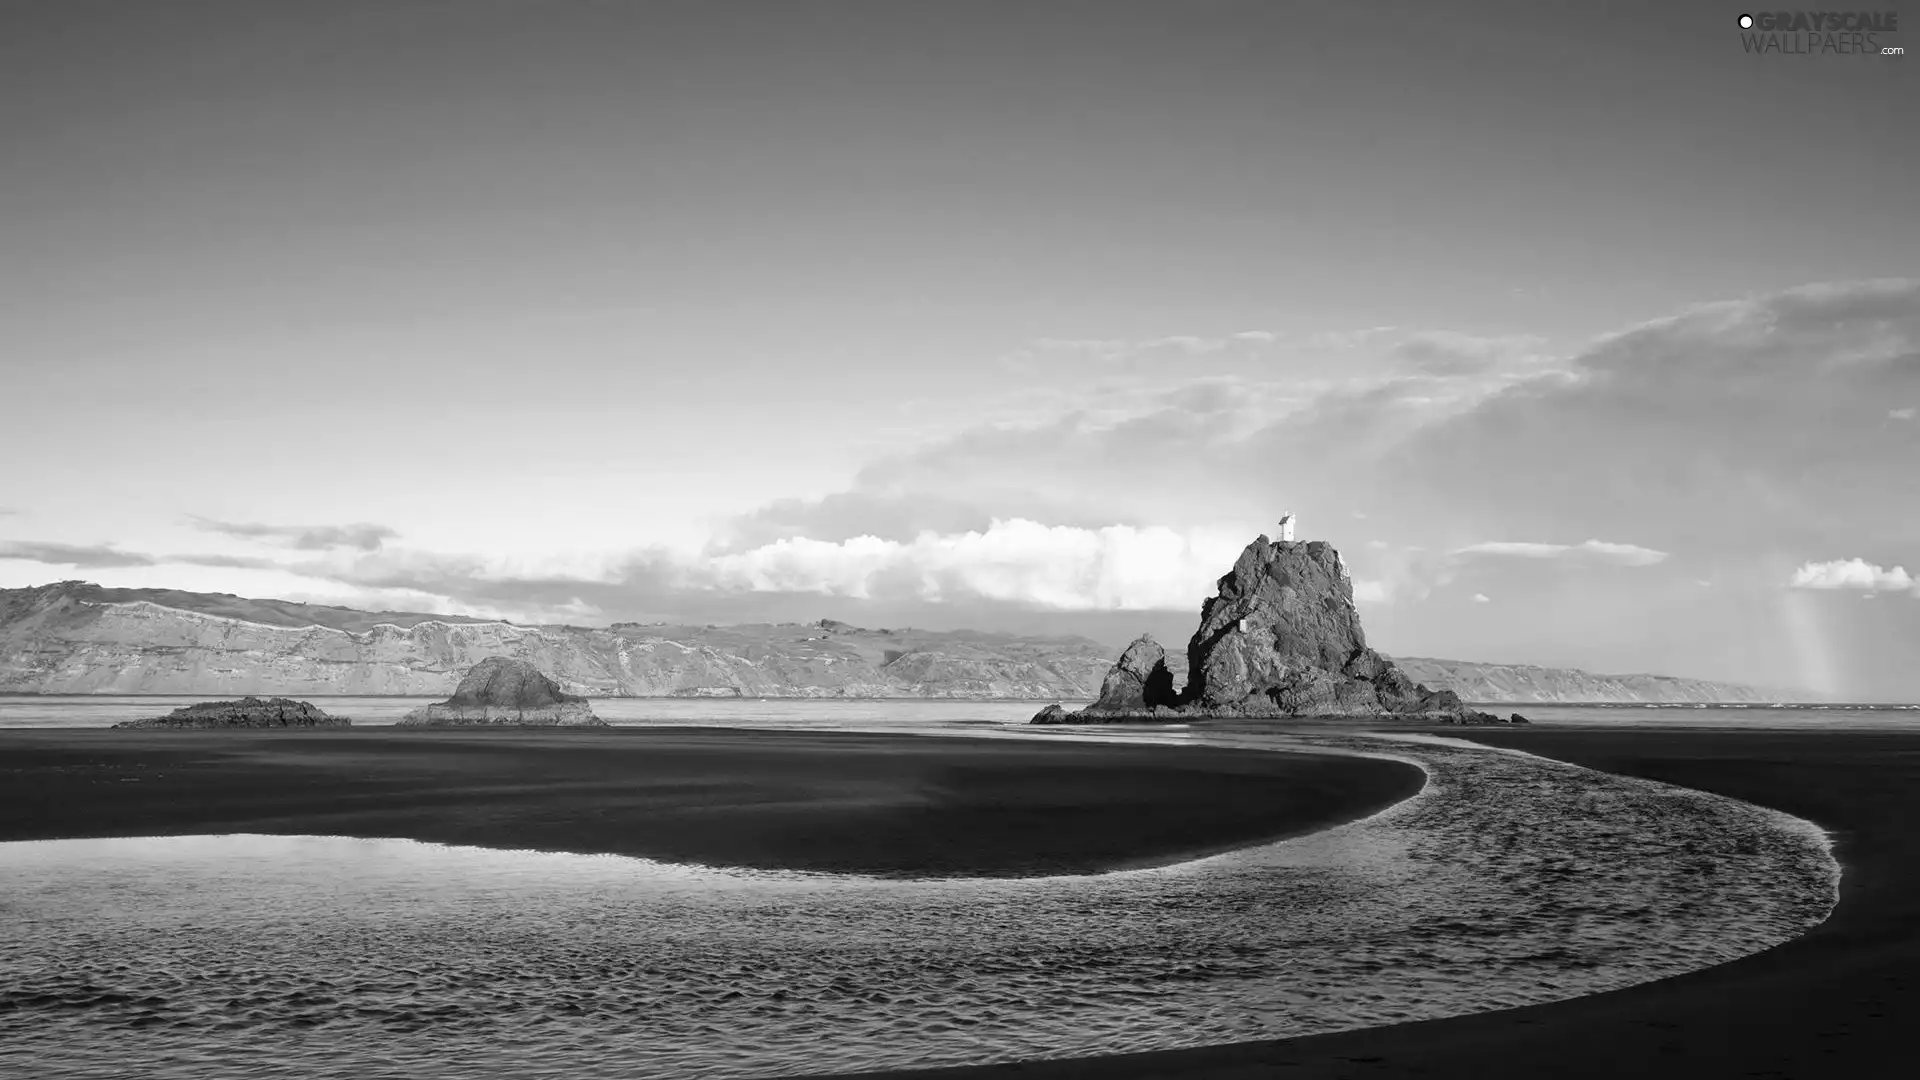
{"x":1286,"y":525}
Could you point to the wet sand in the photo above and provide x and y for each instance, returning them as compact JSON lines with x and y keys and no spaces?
{"x":1834,"y":1003}
{"x":1837,"y":1003}
{"x":896,"y":805}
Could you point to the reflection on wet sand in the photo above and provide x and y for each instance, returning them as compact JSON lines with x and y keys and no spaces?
{"x":1509,"y":880}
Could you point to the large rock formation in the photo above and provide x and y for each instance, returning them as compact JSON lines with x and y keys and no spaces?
{"x":248,"y":712}
{"x":501,"y":690}
{"x":1280,"y":638}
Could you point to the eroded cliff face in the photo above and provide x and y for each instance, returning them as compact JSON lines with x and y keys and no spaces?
{"x":75,"y":638}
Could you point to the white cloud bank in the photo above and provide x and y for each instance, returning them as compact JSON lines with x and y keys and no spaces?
{"x":1372,"y":591}
{"x":1855,"y":574}
{"x":1112,"y":568}
{"x":1592,"y":550}
{"x":1013,"y":561}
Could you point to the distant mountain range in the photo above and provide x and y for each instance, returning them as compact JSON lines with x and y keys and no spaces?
{"x":75,"y":637}
{"x":1526,"y":682}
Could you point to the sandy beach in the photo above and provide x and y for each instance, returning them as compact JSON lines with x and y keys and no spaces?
{"x":1826,"y":1005}
{"x":1834,"y":1003}
{"x":898,"y":805}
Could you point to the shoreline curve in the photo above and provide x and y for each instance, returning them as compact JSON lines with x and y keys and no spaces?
{"x":1828,"y":1002}
{"x":1474,"y":878}
{"x":885,"y":805}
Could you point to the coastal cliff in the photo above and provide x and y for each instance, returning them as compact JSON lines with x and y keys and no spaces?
{"x":79,"y":638}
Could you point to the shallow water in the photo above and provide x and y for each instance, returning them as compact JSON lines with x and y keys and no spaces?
{"x":105,"y":710}
{"x":1509,"y":880}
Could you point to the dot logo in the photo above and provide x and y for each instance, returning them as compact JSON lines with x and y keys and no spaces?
{"x":1746,"y":22}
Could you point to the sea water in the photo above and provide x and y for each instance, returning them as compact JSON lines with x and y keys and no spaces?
{"x":105,"y":710}
{"x":1509,"y":880}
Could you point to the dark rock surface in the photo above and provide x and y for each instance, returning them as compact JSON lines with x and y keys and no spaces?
{"x":1139,"y":681}
{"x":248,"y":712}
{"x":1053,"y":714}
{"x":500,"y":690}
{"x":1280,"y":638}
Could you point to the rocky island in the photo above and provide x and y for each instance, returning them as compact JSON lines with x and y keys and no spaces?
{"x":1280,"y":638}
{"x":248,"y":712}
{"x":506,"y":692}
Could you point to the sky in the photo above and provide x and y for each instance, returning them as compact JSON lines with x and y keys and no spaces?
{"x":1588,"y":337}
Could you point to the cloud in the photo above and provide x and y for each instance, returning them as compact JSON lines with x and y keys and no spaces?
{"x":1218,"y":447}
{"x":1343,"y":340}
{"x":1404,"y":575}
{"x":82,"y":556}
{"x":107,"y":556}
{"x":1190,"y":344}
{"x":1132,"y":348}
{"x":360,"y":536}
{"x":1482,"y":598}
{"x":1445,"y":352}
{"x":1907,"y":413}
{"x":228,"y":562}
{"x":1390,"y":576}
{"x":1372,"y":591}
{"x":1020,"y":562}
{"x":1122,"y":429}
{"x":845,"y":515}
{"x":1729,"y":428}
{"x":1854,"y":574}
{"x":1734,"y":426}
{"x":1008,"y":564}
{"x":1592,"y":550}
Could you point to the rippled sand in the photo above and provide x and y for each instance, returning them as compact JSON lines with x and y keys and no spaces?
{"x":1510,"y":880}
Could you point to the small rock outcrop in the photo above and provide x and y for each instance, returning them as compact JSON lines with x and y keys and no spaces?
{"x":1140,"y":680}
{"x":1469,"y":716}
{"x":1140,"y":687}
{"x":1280,"y":638}
{"x":248,"y":712}
{"x":502,"y":691}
